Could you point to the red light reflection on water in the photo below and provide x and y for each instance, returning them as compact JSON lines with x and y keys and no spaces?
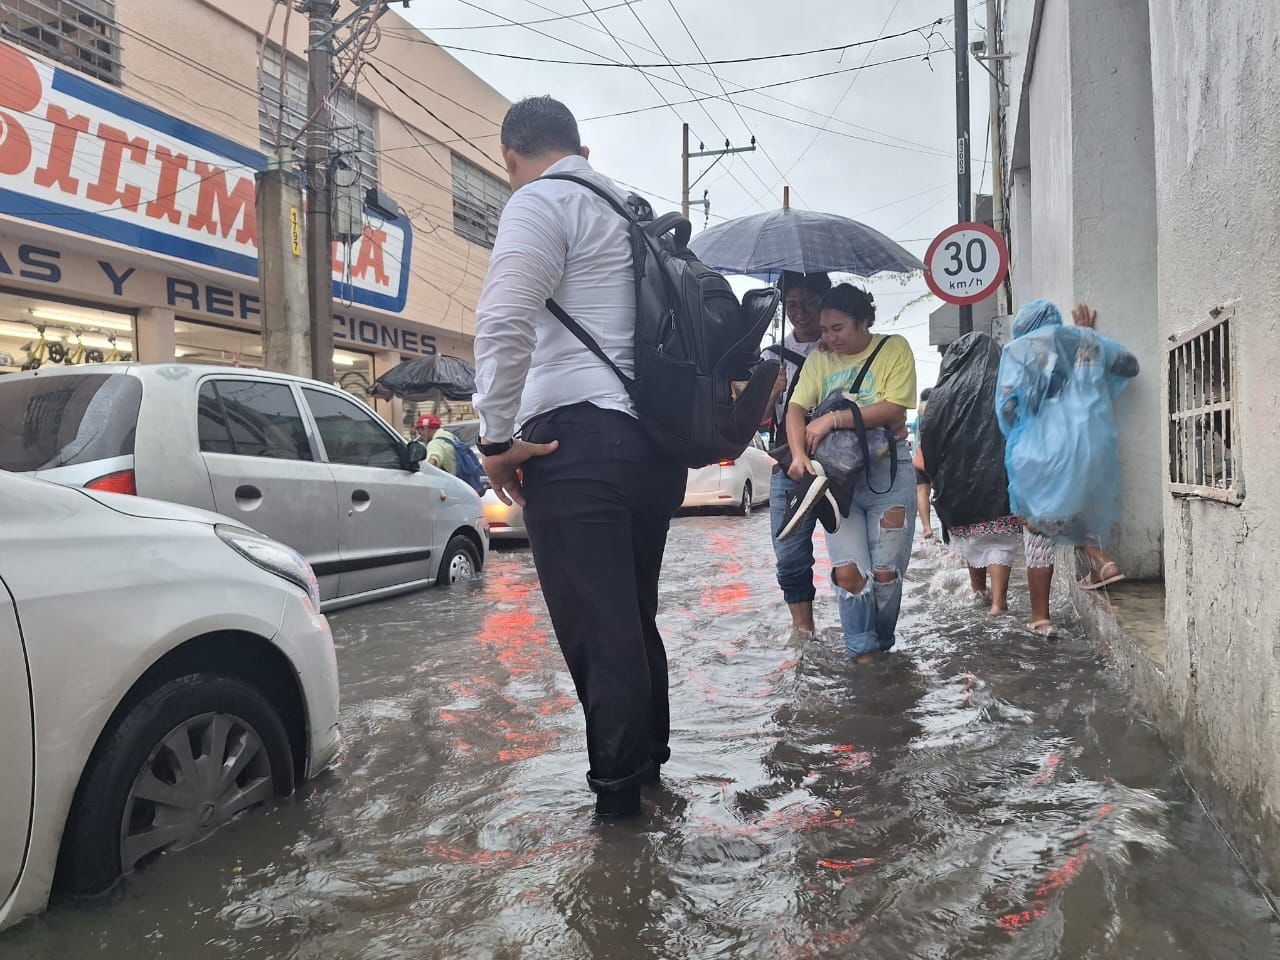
{"x":1056,"y":879}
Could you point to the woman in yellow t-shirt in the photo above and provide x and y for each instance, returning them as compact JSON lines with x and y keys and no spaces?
{"x":869,"y":527}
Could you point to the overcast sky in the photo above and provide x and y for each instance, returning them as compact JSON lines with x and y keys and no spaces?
{"x":886,"y":158}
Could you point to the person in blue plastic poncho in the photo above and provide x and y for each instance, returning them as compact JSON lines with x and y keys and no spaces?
{"x":1054,"y":399}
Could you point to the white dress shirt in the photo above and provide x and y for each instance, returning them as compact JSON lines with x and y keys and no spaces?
{"x":793,"y":370}
{"x":560,"y":240}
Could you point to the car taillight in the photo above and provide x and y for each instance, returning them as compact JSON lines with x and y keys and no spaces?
{"x":726,"y":463}
{"x":121,"y":482}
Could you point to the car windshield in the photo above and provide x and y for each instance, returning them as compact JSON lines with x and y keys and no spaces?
{"x":51,"y":421}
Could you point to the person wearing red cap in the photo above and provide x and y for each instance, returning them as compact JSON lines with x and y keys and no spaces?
{"x":440,"y":452}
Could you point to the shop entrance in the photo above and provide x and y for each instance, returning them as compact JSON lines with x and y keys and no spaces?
{"x":37,"y":332}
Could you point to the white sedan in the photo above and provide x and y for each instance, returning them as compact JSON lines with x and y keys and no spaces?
{"x":505,"y":522}
{"x":737,"y":485}
{"x":162,"y":671}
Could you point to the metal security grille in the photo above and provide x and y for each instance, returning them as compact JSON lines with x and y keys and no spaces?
{"x":1204,"y":449}
{"x":352,"y":120}
{"x":81,"y":34}
{"x":478,"y":199}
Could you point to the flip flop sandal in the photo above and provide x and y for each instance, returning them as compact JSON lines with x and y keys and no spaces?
{"x":1041,"y":628}
{"x":1088,"y":583}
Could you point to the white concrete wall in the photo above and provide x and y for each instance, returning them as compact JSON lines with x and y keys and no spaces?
{"x":1114,"y":248}
{"x":1048,"y":106}
{"x":1083,"y":211}
{"x":1217,"y":139}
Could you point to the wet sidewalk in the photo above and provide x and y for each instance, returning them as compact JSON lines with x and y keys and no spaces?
{"x":978,"y":793}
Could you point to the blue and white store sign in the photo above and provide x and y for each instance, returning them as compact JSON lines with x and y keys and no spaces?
{"x":80,"y":156}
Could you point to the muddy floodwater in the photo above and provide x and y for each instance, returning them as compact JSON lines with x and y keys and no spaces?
{"x":979,"y":793}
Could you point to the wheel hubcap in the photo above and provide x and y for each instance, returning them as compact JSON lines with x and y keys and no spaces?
{"x":461,"y":568}
{"x":203,"y":773}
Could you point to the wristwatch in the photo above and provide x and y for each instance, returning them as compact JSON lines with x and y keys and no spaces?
{"x":494,"y":449}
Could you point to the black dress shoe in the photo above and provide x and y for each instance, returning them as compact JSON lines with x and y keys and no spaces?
{"x":619,"y":803}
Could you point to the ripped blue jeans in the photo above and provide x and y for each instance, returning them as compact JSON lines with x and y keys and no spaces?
{"x":869,"y":554}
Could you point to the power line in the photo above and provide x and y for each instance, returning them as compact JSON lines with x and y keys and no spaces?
{"x":714,"y":123}
{"x":742,"y":88}
{"x":692,"y":63}
{"x":501,"y":26}
{"x":723,"y":90}
{"x":843,"y":96}
{"x":435,"y":116}
{"x":587,"y":4}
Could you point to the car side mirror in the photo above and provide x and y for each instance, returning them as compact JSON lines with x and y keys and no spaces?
{"x":414,"y":454}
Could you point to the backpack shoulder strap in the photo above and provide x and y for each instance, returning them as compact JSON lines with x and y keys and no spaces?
{"x":588,"y":341}
{"x":595,"y":188}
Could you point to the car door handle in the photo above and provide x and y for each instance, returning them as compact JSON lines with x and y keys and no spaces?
{"x":360,"y":500}
{"x":248,"y":497}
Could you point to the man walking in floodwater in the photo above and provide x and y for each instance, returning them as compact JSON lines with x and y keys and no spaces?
{"x":598,"y":497}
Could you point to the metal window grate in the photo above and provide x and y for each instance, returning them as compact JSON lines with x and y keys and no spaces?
{"x":81,"y":34}
{"x":352,"y":120}
{"x":478,"y":199}
{"x":1204,"y":448}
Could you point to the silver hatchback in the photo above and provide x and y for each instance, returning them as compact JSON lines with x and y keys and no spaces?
{"x":298,"y":460}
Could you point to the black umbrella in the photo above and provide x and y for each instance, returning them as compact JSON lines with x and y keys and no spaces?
{"x":765,"y":244}
{"x":428,"y":378}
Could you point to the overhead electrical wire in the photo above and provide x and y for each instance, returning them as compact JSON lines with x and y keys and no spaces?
{"x":434,"y":116}
{"x":759,"y":145}
{"x":741,"y":88}
{"x":525,"y":23}
{"x":754,"y":199}
{"x":847,"y":89}
{"x":840,"y":48}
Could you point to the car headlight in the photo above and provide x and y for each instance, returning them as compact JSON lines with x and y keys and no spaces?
{"x":284,"y":562}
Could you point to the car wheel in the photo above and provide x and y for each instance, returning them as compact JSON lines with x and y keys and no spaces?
{"x":185,"y":760}
{"x":745,"y":504}
{"x":461,"y":562}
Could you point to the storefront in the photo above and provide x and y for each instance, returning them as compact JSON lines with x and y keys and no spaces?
{"x":127,"y":233}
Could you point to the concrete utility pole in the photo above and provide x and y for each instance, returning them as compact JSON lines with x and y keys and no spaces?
{"x":686,"y":156}
{"x":282,"y":269}
{"x":319,"y":226}
{"x":993,"y":57}
{"x":964,"y":187}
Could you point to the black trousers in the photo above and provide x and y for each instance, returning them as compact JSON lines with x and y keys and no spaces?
{"x":598,"y":513}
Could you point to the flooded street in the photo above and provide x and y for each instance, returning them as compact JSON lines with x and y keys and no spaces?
{"x":978,"y":793}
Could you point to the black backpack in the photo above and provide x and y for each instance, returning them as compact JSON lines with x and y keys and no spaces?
{"x":694,"y":342}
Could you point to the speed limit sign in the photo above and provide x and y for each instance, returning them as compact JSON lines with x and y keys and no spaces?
{"x":966,"y":263}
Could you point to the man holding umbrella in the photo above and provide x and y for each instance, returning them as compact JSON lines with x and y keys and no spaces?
{"x":801,"y":297}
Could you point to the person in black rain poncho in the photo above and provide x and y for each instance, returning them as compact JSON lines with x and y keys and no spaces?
{"x":964,"y":454}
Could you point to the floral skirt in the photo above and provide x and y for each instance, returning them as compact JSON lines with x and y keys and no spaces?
{"x":987,"y":542}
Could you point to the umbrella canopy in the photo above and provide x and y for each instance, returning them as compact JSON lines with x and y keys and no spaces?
{"x":428,"y":378}
{"x":765,"y":244}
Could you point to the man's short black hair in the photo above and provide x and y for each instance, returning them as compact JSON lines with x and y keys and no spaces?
{"x":538,"y":125}
{"x":818,"y":283}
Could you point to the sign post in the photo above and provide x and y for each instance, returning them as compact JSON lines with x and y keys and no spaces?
{"x":966,"y":263}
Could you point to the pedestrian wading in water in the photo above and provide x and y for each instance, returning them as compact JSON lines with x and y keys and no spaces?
{"x":964,"y":451}
{"x":802,"y":300}
{"x":600,"y":496}
{"x":923,"y":483}
{"x":1054,"y":399}
{"x":862,"y":384}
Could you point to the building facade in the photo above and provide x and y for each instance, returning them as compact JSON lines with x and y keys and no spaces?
{"x":1141,"y":175}
{"x":128,"y":148}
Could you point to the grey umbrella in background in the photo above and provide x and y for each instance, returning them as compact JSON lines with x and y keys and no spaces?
{"x":765,"y":244}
